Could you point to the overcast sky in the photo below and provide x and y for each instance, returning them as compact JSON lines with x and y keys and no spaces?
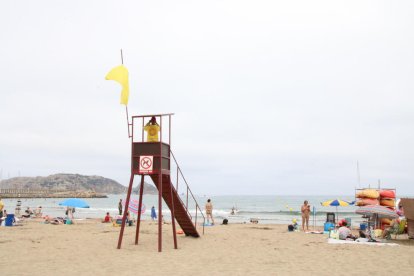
{"x":270,"y":97}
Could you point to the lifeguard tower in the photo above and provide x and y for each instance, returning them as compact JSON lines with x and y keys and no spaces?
{"x":153,"y":157}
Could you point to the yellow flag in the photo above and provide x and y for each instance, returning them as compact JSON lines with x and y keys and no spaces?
{"x":120,"y":75}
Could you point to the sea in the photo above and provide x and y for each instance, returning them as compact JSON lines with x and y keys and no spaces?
{"x":266,"y":209}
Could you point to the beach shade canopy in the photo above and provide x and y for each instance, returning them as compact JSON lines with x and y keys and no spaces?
{"x":133,"y":206}
{"x":380,"y":211}
{"x":74,"y":202}
{"x":336,"y":202}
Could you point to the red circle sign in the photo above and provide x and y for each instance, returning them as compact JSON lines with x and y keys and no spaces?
{"x":146,"y":163}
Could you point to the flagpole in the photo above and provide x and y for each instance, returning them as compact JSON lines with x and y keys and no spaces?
{"x":126,"y":106}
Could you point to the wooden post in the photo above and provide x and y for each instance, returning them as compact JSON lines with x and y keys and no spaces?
{"x":160,"y":218}
{"x":141,"y":192}
{"x":173,"y":217}
{"x":160,"y":211}
{"x":121,"y":233}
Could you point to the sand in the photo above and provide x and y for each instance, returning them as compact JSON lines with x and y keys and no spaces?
{"x":89,"y":248}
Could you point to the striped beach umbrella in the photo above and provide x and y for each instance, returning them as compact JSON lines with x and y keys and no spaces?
{"x":380,"y":211}
{"x":336,"y":203}
{"x":133,"y":206}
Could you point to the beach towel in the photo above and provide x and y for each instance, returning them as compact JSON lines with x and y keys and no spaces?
{"x":360,"y":241}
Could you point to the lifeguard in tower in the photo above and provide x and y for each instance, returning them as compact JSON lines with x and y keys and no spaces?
{"x":152,"y":128}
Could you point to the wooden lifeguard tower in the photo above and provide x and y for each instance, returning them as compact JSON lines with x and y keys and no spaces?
{"x":155,"y":159}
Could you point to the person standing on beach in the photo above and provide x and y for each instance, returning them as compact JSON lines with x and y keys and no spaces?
{"x":305,"y":209}
{"x":153,"y":213}
{"x":120,"y":207}
{"x":209,"y":211}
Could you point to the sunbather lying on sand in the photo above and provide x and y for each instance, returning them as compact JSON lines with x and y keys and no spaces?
{"x":54,"y":221}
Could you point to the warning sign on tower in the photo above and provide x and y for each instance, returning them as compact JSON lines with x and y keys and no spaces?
{"x":145,"y":164}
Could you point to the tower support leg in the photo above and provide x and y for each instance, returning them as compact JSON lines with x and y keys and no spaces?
{"x":160,"y":218}
{"x":173,"y":217}
{"x":121,"y":233}
{"x":141,"y":192}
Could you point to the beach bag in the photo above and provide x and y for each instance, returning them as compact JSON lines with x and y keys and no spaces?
{"x":225,"y":221}
{"x":291,"y":228}
{"x":334,"y":234}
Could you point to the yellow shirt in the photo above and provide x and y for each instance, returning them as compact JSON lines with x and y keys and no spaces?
{"x":152,"y":132}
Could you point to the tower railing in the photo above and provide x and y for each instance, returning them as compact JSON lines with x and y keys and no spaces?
{"x":188,"y":195}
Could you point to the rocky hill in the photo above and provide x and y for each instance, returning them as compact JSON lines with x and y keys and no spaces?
{"x":71,"y":182}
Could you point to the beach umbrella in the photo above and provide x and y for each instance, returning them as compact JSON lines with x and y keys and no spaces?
{"x":133,"y":206}
{"x":336,"y":203}
{"x":377,"y":210}
{"x":74,"y":202}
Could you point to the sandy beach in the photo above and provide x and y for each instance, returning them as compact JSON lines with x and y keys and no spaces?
{"x":89,"y":247}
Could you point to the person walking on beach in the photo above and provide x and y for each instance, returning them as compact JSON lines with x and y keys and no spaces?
{"x":305,"y":209}
{"x":209,"y":211}
{"x":153,"y":213}
{"x":120,"y":207}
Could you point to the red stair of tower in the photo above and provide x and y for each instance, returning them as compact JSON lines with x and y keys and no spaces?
{"x":152,"y":157}
{"x":173,"y":201}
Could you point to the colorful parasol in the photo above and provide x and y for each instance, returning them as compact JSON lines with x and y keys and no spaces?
{"x":133,"y":206}
{"x":336,"y":203}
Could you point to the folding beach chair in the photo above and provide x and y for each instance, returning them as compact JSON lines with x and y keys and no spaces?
{"x":330,"y":217}
{"x":397,"y":229}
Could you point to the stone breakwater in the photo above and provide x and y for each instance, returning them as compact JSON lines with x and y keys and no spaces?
{"x":43,"y":193}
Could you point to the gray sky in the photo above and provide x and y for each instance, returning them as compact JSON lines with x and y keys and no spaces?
{"x":270,"y":97}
